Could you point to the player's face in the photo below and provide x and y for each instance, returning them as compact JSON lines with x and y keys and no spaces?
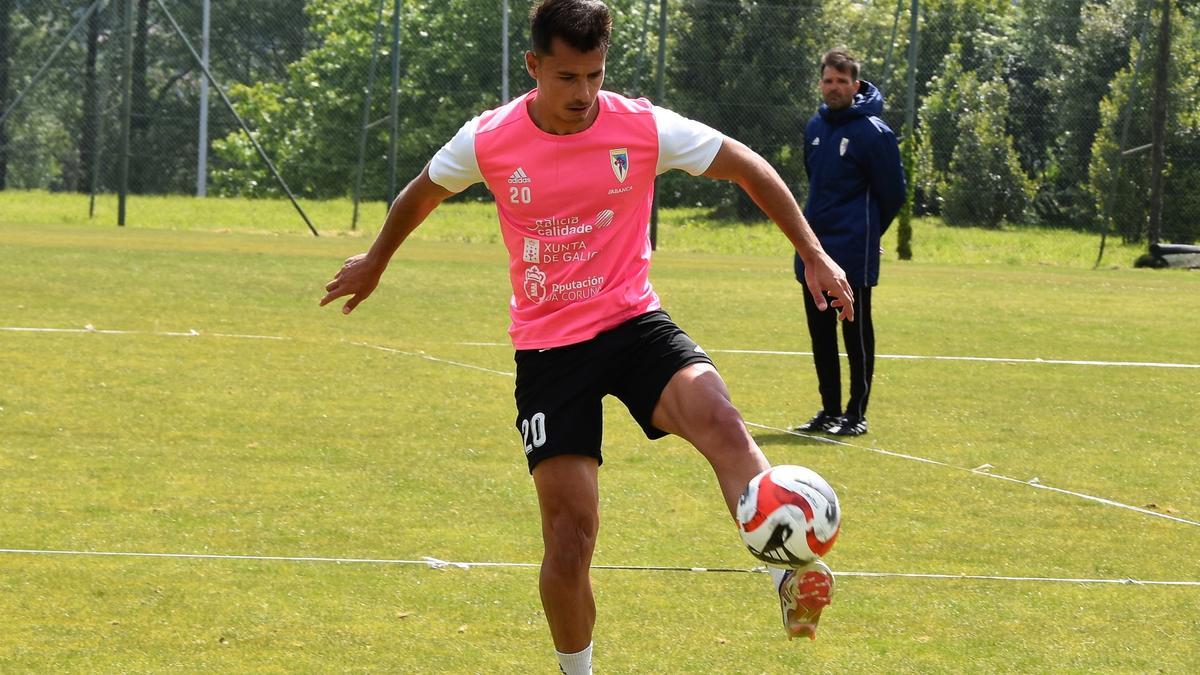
{"x":837,"y":88}
{"x":568,"y":83}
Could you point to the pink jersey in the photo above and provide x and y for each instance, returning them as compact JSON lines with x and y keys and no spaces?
{"x":574,"y":211}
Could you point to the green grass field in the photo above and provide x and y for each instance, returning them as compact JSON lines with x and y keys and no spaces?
{"x":322,"y":445}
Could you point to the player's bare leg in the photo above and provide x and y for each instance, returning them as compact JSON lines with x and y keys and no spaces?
{"x":568,"y":493}
{"x":695,"y":406}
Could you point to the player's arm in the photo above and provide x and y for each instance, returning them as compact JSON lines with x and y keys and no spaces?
{"x":738,"y":163}
{"x":360,"y":274}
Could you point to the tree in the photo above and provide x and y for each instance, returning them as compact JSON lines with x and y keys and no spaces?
{"x":1089,"y":60}
{"x":140,"y":117}
{"x":251,"y":41}
{"x":986,"y":185}
{"x":89,"y":128}
{"x":450,"y":71}
{"x":963,"y":42}
{"x":747,"y":69}
{"x":949,"y":93}
{"x":1118,"y":183}
{"x":6,"y":7}
{"x":975,"y":26}
{"x":1040,"y":30}
{"x":38,"y":144}
{"x":305,"y":120}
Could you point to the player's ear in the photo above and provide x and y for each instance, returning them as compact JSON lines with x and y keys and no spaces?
{"x":531,"y":64}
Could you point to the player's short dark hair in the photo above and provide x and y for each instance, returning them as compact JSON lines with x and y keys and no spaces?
{"x":583,"y":24}
{"x":841,"y":61}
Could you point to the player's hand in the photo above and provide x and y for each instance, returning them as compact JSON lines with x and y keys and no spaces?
{"x":822,"y":276}
{"x":357,"y":278}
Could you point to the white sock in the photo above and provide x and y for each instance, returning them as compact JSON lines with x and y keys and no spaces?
{"x":776,"y":576}
{"x":579,"y":663}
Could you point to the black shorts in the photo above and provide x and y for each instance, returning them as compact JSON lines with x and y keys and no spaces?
{"x":559,"y":390}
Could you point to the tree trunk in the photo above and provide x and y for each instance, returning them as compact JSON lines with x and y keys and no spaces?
{"x":1158,"y":125}
{"x":6,"y":7}
{"x":89,"y":130}
{"x":139,"y":122}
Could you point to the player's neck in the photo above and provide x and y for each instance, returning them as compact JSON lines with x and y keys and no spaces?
{"x":545,"y":119}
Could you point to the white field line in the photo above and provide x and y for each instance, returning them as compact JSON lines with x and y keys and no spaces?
{"x":436,"y":563}
{"x":765,"y":352}
{"x":1034,"y":482}
{"x":427,"y":357}
{"x":921,"y":357}
{"x":108,"y":331}
{"x":982,"y":471}
{"x":984,"y":359}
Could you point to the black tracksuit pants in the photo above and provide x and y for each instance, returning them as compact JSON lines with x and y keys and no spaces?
{"x":859,"y":336}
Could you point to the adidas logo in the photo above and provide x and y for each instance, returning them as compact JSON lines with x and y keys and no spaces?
{"x":519,"y":177}
{"x":816,"y":141}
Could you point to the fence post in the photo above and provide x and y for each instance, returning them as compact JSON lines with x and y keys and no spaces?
{"x":504,"y":53}
{"x":641,"y":58}
{"x":366,"y":114}
{"x":202,"y":143}
{"x":6,"y":8}
{"x":394,"y":106}
{"x":904,"y":227}
{"x":126,"y":96}
{"x":660,"y":92}
{"x":1158,"y":125}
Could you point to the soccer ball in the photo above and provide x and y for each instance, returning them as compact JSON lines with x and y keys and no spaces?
{"x":788,"y":515}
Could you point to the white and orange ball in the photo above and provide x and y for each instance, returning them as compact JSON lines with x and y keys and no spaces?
{"x":788,"y":516}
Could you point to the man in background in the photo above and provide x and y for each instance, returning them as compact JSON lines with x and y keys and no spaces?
{"x":856,"y":188}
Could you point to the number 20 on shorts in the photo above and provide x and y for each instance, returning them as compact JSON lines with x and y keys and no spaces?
{"x":533,"y":431}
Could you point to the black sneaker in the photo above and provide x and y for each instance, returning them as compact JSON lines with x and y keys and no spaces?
{"x":822,"y":421}
{"x":849,"y":426}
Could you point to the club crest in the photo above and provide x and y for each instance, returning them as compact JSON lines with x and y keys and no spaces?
{"x":619,"y":160}
{"x":535,"y":284}
{"x":842,"y":148}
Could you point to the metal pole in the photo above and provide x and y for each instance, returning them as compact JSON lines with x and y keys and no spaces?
{"x":394,"y":107}
{"x":202,"y":143}
{"x":1158,"y":125}
{"x":262,"y":154}
{"x":366,"y":114}
{"x":887,"y":61}
{"x":504,"y":53}
{"x":910,"y":97}
{"x":126,"y":96}
{"x":660,"y":93}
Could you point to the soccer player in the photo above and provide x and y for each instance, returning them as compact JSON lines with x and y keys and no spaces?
{"x":572,"y":169}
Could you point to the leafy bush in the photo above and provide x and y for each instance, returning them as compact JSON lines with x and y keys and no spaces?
{"x":967,"y":168}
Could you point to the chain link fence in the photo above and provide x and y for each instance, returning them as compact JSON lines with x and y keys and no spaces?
{"x":1027,"y":112}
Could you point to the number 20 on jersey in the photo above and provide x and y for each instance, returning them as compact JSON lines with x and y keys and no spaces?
{"x":520,"y":195}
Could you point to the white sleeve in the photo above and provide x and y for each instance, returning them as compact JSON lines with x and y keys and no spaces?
{"x":683,"y":143}
{"x":455,"y":167}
